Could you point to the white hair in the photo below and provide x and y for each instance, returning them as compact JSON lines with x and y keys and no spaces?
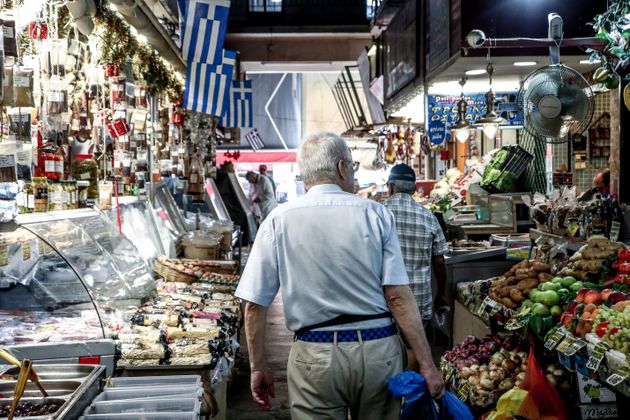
{"x":318,"y":155}
{"x":403,"y":186}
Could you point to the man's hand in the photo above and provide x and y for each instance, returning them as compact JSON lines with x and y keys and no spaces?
{"x":435,"y":383}
{"x":262,"y":388}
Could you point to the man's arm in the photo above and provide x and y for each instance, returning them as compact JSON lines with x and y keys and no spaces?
{"x":403,"y":306}
{"x":261,"y":382}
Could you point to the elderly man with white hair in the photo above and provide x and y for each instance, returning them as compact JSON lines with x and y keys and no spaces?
{"x":337,"y":261}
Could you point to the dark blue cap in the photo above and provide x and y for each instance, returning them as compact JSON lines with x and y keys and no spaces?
{"x":402,"y":172}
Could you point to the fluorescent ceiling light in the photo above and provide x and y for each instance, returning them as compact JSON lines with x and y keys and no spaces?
{"x":476,"y":72}
{"x":525,"y":63}
{"x":590,"y":62}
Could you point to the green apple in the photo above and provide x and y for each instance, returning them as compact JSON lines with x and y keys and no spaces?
{"x":568,"y":281}
{"x":555,"y":310}
{"x":575,"y":287}
{"x":540,"y":309}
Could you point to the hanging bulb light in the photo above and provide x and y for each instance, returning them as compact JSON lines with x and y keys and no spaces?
{"x":491,"y":120}
{"x":462,"y":127}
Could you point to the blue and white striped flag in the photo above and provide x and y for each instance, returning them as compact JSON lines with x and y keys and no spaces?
{"x":254,"y":140}
{"x":239,"y":113}
{"x":208,"y":85}
{"x":203,"y":24}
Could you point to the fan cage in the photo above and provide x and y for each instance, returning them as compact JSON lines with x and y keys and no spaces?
{"x":547,"y":81}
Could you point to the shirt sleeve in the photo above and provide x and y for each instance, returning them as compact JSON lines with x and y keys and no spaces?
{"x":440,"y":247}
{"x":260,"y":282}
{"x":394,"y":272}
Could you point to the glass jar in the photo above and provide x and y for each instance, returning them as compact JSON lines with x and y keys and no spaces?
{"x":82,"y":193}
{"x":40,"y":192}
{"x":30,"y":197}
{"x":55,"y":196}
{"x":50,"y":162}
{"x":65,"y":195}
{"x":87,"y":170}
{"x":72,"y":191}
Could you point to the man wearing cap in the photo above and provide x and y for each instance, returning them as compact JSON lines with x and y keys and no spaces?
{"x":421,"y":240}
{"x":336,"y":259}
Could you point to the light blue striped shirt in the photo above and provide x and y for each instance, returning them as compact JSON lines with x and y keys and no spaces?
{"x":331,"y":253}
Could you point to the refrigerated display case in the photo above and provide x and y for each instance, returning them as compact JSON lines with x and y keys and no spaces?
{"x":63,"y":275}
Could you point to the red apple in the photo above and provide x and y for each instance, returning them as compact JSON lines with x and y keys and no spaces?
{"x":580,"y":295}
{"x":605,"y":293}
{"x":592,"y":296}
{"x":615,"y":297}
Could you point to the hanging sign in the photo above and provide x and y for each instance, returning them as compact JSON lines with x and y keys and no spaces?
{"x":437,"y":132}
{"x":444,"y":108}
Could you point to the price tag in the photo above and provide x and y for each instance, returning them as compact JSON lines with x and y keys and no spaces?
{"x":619,"y":376}
{"x":4,"y":256}
{"x":515,"y":324}
{"x":597,"y":356}
{"x":482,"y":308}
{"x":556,"y":335}
{"x":614,"y":231}
{"x":564,"y":346}
{"x":463,"y":391}
{"x":575,"y":347}
{"x":26,"y":250}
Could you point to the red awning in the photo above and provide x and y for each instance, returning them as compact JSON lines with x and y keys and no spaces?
{"x":258,"y":157}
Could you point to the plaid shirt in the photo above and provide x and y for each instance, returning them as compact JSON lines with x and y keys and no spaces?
{"x":420,"y":237}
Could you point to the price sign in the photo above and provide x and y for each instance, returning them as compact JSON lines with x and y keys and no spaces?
{"x":597,"y":356}
{"x":447,"y":370}
{"x":515,"y":324}
{"x":463,"y":391}
{"x":619,"y":376}
{"x":614,"y":231}
{"x":564,"y":346}
{"x":482,"y":308}
{"x":575,"y":347}
{"x":555,"y":336}
{"x":26,"y":250}
{"x":4,"y":256}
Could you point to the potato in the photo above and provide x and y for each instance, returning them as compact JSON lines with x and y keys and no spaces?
{"x":508,"y":303}
{"x":516,"y":295}
{"x":539,"y":266}
{"x":504,"y":291}
{"x":522,"y":271}
{"x":544,"y":277}
{"x":521,"y":276}
{"x":532,"y":273}
{"x":527,"y":283}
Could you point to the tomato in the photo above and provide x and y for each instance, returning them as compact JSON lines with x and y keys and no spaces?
{"x":601,"y":329}
{"x":623,"y":255}
{"x":624,"y":267}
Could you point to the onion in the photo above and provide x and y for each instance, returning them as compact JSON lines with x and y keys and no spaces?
{"x":552,"y":379}
{"x":496,"y":375}
{"x":509,"y":365}
{"x":520,"y":376}
{"x":486,"y":384}
{"x":506,"y":384}
{"x":465,"y":372}
{"x":474,"y":380}
{"x":497,"y":358}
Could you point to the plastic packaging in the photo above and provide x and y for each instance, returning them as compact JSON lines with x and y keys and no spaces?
{"x":145,"y":416}
{"x":152,"y":392}
{"x":201,"y":245}
{"x":40,"y":192}
{"x":145,"y":406}
{"x":148,"y":381}
{"x":544,"y":395}
{"x":418,"y":402}
{"x":87,"y":170}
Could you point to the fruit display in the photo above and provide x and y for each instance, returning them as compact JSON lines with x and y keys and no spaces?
{"x":490,"y":366}
{"x":513,"y":288}
{"x":612,"y":325}
{"x":590,"y":258}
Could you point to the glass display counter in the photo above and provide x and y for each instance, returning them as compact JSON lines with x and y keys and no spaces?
{"x":62,"y":275}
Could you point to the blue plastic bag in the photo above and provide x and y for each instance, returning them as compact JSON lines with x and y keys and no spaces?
{"x":418,"y":402}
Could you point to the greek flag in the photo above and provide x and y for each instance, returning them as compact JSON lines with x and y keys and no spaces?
{"x":254,"y":140}
{"x":239,"y":113}
{"x":202,"y":31}
{"x":207,"y":87}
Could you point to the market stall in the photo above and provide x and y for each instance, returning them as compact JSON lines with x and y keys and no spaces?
{"x":571,"y":307}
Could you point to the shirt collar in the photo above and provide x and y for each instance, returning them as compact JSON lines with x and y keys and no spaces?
{"x":324,"y":188}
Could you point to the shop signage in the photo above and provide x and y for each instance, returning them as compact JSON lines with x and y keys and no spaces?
{"x":437,"y":132}
{"x":444,"y":108}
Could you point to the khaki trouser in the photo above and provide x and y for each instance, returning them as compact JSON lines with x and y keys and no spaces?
{"x":327,"y":380}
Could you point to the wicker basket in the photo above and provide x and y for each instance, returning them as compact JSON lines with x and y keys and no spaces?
{"x":215,"y":266}
{"x":171,"y":274}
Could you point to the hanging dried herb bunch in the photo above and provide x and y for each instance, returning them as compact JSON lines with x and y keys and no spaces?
{"x":117,"y":42}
